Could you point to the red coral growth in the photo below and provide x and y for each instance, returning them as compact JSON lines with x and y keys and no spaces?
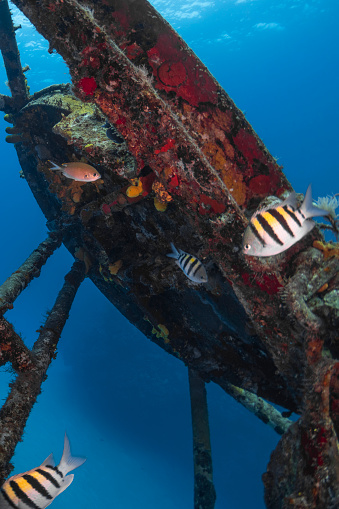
{"x":147,"y":183}
{"x":268,"y":284}
{"x":176,"y":71}
{"x":313,"y":448}
{"x":172,"y":74}
{"x":247,"y":144}
{"x":133,"y":50}
{"x":87,"y":85}
{"x":106,"y":207}
{"x":121,"y":121}
{"x":169,"y":144}
{"x":122,"y":19}
{"x":174,"y":182}
{"x":208,"y":205}
{"x":261,"y":185}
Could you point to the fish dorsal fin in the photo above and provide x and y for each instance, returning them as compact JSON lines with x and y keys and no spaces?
{"x":49,"y":461}
{"x":274,"y":202}
{"x":291,"y":201}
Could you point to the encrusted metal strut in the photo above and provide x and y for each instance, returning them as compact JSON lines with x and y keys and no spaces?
{"x":27,"y":385}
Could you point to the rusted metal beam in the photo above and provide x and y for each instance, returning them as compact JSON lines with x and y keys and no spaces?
{"x":259,"y":407}
{"x":10,"y":53}
{"x":27,"y":386}
{"x":13,"y":349}
{"x":204,"y":491}
{"x":30,"y":269}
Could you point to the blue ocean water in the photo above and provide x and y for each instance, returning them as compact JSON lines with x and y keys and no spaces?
{"x":123,"y":401}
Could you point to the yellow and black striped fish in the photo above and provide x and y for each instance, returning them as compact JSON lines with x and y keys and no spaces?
{"x":272,"y":230}
{"x":191,"y":266}
{"x":37,"y":488}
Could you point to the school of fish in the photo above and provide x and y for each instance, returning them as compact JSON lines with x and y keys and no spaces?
{"x":37,"y":488}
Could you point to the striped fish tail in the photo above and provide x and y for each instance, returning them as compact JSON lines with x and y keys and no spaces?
{"x":69,"y":462}
{"x":308,"y":209}
{"x":55,"y":166}
{"x":175,"y":253}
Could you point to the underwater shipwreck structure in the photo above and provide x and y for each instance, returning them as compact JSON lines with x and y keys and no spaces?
{"x":181,"y":164}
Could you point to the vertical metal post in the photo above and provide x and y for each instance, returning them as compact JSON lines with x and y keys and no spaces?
{"x":204,"y":491}
{"x":11,"y":56}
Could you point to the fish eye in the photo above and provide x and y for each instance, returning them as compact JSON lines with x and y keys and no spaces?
{"x":85,"y":176}
{"x":95,"y":174}
{"x":247,"y":247}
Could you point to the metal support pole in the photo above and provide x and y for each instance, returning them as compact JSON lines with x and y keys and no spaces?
{"x":259,"y":407}
{"x":204,"y":491}
{"x":11,"y":57}
{"x":30,"y":269}
{"x":27,"y":386}
{"x":13,"y":349}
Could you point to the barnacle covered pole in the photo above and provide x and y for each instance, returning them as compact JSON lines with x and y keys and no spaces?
{"x":5,"y":103}
{"x":13,"y":349}
{"x":27,"y":386}
{"x":30,"y":269}
{"x":259,"y":407}
{"x":204,"y":491}
{"x":11,"y":57}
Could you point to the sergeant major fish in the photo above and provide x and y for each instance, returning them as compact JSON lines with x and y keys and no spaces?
{"x":37,"y":488}
{"x":274,"y":229}
{"x":191,"y":266}
{"x":77,"y":171}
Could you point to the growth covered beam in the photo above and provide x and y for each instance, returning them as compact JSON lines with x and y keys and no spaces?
{"x":27,"y":385}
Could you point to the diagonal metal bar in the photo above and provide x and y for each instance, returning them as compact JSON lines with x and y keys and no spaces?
{"x":27,"y":386}
{"x":259,"y":407}
{"x":13,"y":349}
{"x":30,"y":269}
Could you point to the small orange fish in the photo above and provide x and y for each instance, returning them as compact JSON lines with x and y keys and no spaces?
{"x":77,"y":171}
